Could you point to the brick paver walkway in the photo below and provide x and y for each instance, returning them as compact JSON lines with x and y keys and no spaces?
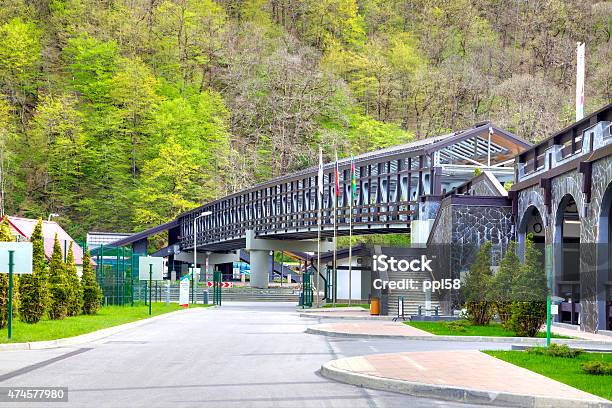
{"x":373,"y":328}
{"x":466,"y":369}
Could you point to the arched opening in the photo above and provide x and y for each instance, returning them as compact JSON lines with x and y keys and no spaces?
{"x":532,"y":224}
{"x":566,"y":276}
{"x":604,"y":263}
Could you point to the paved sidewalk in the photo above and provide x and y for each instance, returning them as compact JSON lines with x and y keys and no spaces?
{"x":379,"y":329}
{"x":397,"y":330}
{"x":469,"y":376}
{"x":580,"y":334}
{"x":342,"y":313}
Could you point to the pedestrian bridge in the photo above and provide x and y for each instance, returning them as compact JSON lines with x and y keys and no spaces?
{"x":390,"y":184}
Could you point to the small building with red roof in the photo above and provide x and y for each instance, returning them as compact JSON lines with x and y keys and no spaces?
{"x":22,"y":229}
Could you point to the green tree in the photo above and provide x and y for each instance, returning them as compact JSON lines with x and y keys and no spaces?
{"x":5,"y":236}
{"x":33,"y":290}
{"x":92,"y":294}
{"x":58,"y":286}
{"x":190,"y":162}
{"x":530,"y":290}
{"x":477,"y":287}
{"x":19,"y":58}
{"x":502,"y":284}
{"x":75,"y":289}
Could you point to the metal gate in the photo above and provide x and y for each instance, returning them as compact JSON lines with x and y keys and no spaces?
{"x":217,"y":288}
{"x":306,"y":295}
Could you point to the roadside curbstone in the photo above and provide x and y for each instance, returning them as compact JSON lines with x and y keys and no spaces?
{"x":453,"y":393}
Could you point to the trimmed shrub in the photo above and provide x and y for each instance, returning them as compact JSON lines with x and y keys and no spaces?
{"x":58,"y":287}
{"x":33,"y":291}
{"x":457,"y":325}
{"x":556,"y":350}
{"x":75,"y":290}
{"x":92,"y":294}
{"x":597,"y":367}
{"x":477,"y":287}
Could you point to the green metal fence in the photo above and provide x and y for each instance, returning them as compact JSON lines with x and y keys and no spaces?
{"x":117,"y":273}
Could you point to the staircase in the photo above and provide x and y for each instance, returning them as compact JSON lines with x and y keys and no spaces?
{"x":236,"y":294}
{"x":259,"y":295}
{"x":413,"y":298}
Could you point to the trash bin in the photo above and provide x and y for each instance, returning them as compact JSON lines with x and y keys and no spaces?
{"x":375,"y":306}
{"x":205,"y":297}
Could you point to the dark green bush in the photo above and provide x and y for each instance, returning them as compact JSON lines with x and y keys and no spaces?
{"x":597,"y":367}
{"x":476,"y":288}
{"x":556,"y":350}
{"x":92,"y":294}
{"x":529,"y":290}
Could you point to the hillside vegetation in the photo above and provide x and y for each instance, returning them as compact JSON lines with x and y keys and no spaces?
{"x":121,"y":114}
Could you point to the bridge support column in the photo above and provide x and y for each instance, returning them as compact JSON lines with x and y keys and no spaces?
{"x":260,"y":268}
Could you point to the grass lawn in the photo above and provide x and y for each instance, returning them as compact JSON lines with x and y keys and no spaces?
{"x":107,"y":316}
{"x":361,"y":305}
{"x":565,"y":370}
{"x":493,"y":329}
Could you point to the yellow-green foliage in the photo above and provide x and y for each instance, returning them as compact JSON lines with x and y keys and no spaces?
{"x":33,"y":290}
{"x":58,"y":286}
{"x":75,"y":289}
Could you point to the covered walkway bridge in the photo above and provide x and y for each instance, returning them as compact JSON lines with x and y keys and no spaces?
{"x":392,"y":187}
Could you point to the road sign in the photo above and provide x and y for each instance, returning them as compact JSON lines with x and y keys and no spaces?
{"x":22,"y":257}
{"x":152,"y":264}
{"x":184,"y":291}
{"x":223,"y":285}
{"x":15,"y":257}
{"x":554,"y":310}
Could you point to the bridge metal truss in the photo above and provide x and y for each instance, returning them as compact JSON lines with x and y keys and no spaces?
{"x":389,"y":184}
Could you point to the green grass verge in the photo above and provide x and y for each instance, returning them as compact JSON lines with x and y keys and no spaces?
{"x":492,"y":330}
{"x":107,"y":316}
{"x":361,"y":305}
{"x":565,"y":370}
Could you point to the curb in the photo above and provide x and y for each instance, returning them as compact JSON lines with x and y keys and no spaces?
{"x":312,"y":315}
{"x":450,"y":393}
{"x":467,"y":339}
{"x":86,"y":337}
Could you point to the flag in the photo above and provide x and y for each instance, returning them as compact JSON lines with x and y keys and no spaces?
{"x":337,"y":177}
{"x":353,"y":179}
{"x":320,"y":177}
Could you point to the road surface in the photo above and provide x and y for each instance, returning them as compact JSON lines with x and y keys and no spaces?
{"x":239,"y":355}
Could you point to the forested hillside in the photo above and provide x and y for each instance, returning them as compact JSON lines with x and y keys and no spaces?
{"x":120,"y":114}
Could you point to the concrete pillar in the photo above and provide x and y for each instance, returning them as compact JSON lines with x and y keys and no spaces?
{"x":260,"y":266}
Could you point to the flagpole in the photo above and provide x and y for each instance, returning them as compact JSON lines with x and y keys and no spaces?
{"x":320,"y":222}
{"x":319,"y":258}
{"x":335,"y":275}
{"x":351,"y":232}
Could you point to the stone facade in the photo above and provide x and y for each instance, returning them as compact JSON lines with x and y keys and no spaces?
{"x":462,"y":225}
{"x":570,"y":183}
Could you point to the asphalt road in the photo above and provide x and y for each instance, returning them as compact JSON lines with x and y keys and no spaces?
{"x":239,"y":355}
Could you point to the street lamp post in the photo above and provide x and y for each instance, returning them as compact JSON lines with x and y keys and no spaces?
{"x":195,"y":252}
